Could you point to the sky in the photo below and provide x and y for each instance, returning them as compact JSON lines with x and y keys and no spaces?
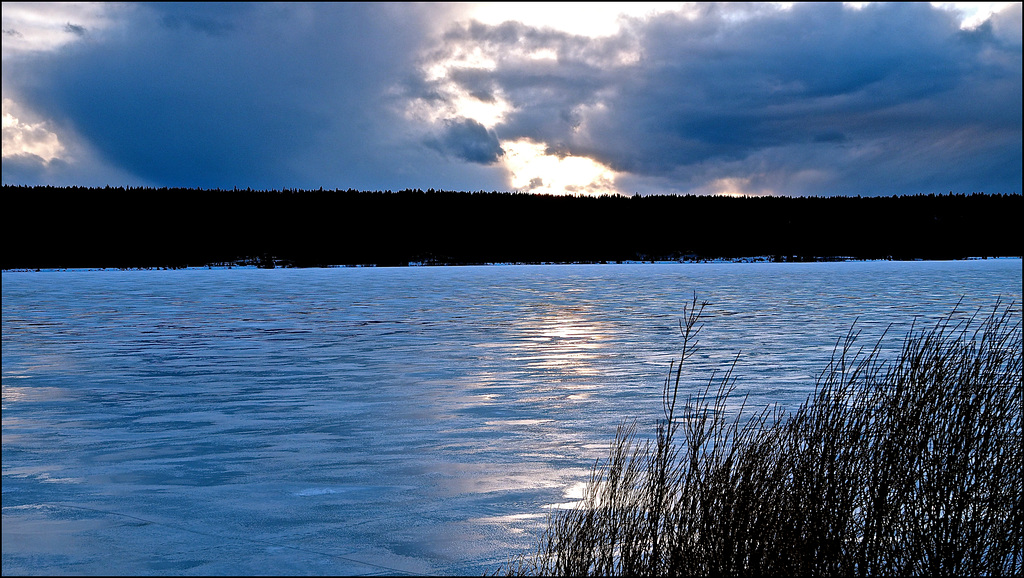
{"x":801,"y":99}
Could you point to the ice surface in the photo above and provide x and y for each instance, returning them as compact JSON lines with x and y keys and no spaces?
{"x":381,"y":421}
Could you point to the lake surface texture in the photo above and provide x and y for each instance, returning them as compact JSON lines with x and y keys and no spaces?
{"x":383,"y":421}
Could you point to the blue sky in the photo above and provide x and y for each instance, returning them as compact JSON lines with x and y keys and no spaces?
{"x":803,"y":99}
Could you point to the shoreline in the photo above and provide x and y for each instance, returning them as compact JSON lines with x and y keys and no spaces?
{"x":130,"y":229}
{"x":714,"y":261}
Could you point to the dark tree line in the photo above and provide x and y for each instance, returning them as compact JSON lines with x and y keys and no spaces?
{"x":52,"y":227}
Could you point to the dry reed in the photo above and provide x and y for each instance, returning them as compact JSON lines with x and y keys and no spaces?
{"x":910,"y":467}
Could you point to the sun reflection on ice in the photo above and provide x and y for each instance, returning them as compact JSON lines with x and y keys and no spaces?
{"x":563,"y":342}
{"x":574,"y":494}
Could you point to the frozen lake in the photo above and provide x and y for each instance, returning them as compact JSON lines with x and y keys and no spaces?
{"x":416,"y":420}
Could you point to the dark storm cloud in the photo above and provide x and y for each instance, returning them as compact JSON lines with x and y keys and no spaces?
{"x":545,"y":91}
{"x":266,"y":95}
{"x":75,"y":29}
{"x":468,"y":140}
{"x":818,"y":99}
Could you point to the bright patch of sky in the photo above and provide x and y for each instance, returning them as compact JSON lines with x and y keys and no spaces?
{"x":532,"y":168}
{"x":31,"y":27}
{"x":593,"y":19}
{"x":28,"y":138}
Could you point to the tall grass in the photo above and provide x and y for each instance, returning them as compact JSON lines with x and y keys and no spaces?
{"x":907,"y":467}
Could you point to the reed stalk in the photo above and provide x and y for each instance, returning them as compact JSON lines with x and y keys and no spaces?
{"x":905,"y":467}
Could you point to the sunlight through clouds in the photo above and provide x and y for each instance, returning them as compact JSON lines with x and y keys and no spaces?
{"x":464,"y":55}
{"x":531,"y":168}
{"x":449,"y":100}
{"x":730,"y":186}
{"x":36,"y":28}
{"x":24,"y":138}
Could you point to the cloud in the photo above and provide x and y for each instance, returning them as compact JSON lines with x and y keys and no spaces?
{"x":817,"y":98}
{"x":76,"y":29}
{"x":469,"y":140}
{"x":262,"y":95}
{"x":34,"y":154}
{"x":813,"y":99}
{"x":45,"y":26}
{"x":1006,"y":25}
{"x":212,"y":18}
{"x":32,"y":139}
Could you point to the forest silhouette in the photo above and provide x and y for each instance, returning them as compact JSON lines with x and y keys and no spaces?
{"x":117,"y":227}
